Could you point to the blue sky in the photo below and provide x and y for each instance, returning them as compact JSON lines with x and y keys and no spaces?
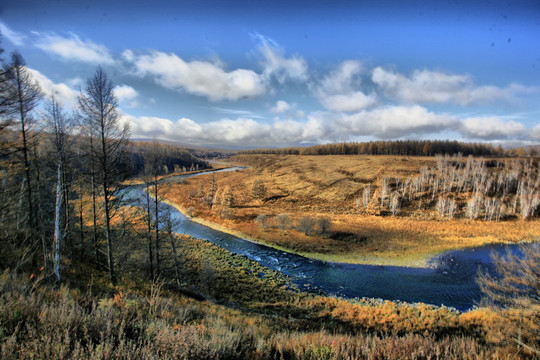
{"x":259,"y":73}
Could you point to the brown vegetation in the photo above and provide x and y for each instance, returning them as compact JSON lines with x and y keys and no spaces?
{"x":336,"y":186}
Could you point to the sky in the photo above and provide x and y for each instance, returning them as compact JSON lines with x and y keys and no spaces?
{"x":245,"y":74}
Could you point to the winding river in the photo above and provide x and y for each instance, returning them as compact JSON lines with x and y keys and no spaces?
{"x":449,"y":282}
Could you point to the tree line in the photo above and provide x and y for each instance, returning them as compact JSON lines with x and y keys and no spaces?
{"x":62,"y":175}
{"x":395,"y":147}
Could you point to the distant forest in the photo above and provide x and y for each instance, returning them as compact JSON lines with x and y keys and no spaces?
{"x":173,"y":158}
{"x":398,"y":147}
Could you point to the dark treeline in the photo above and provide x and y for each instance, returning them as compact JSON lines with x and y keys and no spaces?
{"x":173,"y":158}
{"x":397,"y":147}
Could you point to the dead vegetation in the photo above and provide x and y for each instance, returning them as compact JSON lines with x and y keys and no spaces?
{"x":405,"y":209}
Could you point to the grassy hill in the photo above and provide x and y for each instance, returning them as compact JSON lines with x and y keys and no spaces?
{"x":332,"y":188}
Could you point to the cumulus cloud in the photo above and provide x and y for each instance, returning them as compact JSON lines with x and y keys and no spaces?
{"x":339,"y":90}
{"x":425,"y":86}
{"x":491,"y":128}
{"x":281,"y":107}
{"x":74,"y":49}
{"x":276,"y":64}
{"x":535,"y":133}
{"x":62,"y":92}
{"x":127,"y":96}
{"x":16,"y":38}
{"x":226,"y":131}
{"x":391,"y":122}
{"x":198,"y":77}
{"x":395,"y":122}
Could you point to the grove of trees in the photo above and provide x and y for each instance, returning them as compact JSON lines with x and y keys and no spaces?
{"x":62,"y":175}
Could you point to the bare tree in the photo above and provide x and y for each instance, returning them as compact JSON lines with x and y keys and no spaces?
{"x":324,"y":223}
{"x":283,"y":221}
{"x":395,"y":203}
{"x":306,"y":225}
{"x":98,"y":107}
{"x":385,"y":189}
{"x":366,"y":196}
{"x":61,"y":128}
{"x":153,"y":167}
{"x":7,"y":96}
{"x":473,"y":206}
{"x":27,"y":94}
{"x":263,"y":221}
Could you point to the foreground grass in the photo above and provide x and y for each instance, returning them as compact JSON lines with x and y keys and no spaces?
{"x":47,"y":322}
{"x":245,"y":316}
{"x":328,"y":186}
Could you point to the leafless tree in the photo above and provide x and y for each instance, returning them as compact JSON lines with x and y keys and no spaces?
{"x":385,"y":189}
{"x":324,"y":223}
{"x":263,"y":221}
{"x":306,"y":225}
{"x":283,"y":221}
{"x":395,"y":203}
{"x":27,"y":94}
{"x":441,"y":206}
{"x":98,"y":107}
{"x":153,"y":168}
{"x":473,"y":206}
{"x":366,"y":196}
{"x":61,"y":127}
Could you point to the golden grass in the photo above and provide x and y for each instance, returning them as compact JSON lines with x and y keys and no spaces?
{"x":328,"y":186}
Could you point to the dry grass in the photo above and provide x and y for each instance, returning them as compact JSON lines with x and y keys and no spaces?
{"x":328,"y":186}
{"x":64,"y":323}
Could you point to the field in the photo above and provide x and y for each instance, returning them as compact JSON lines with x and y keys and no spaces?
{"x":331,"y":188}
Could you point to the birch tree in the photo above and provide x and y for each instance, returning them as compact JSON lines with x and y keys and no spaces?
{"x":60,"y":127}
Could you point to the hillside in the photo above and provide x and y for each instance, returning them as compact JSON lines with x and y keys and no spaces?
{"x":359,"y":230}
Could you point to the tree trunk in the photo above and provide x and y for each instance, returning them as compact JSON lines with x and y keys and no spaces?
{"x":57,"y":213}
{"x":156,"y":202}
{"x":149,"y":230}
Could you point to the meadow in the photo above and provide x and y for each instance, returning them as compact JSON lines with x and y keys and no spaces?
{"x":330,"y":191}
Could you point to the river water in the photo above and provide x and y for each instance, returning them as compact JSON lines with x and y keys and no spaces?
{"x":450,"y":281}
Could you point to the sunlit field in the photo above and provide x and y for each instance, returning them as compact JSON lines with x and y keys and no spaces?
{"x":330,"y":187}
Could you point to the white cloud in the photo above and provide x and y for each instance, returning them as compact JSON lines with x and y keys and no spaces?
{"x":339,"y":90}
{"x":126,"y":95}
{"x":16,"y":38}
{"x":62,"y":92}
{"x":277,"y":65}
{"x":491,"y":128}
{"x":199,"y":77}
{"x":74,"y":49}
{"x":425,"y":86}
{"x":535,"y":133}
{"x":350,"y":102}
{"x":281,"y":107}
{"x":396,"y":122}
{"x":392,"y":122}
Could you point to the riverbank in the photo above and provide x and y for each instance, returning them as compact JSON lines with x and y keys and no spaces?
{"x":418,"y":260}
{"x":353,"y":237}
